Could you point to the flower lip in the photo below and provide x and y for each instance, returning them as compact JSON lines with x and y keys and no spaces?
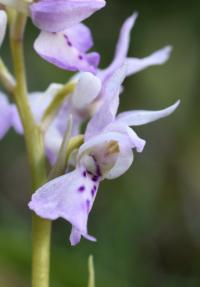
{"x":55,"y":49}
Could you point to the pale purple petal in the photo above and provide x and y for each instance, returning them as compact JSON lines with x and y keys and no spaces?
{"x":62,"y":117}
{"x":87,"y":90}
{"x":112,"y":86}
{"x":110,"y":96}
{"x":3,"y":24}
{"x":93,"y":59}
{"x":57,"y":49}
{"x":16,"y":121}
{"x":141,"y":117}
{"x":53,"y":141}
{"x":135,"y":65}
{"x":58,"y":15}
{"x":98,"y":122}
{"x":75,"y":236}
{"x":5,"y":115}
{"x":122,"y":47}
{"x":80,"y":37}
{"x":70,"y":197}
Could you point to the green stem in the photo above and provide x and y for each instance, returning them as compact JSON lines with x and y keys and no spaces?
{"x":36,"y":155}
{"x":91,"y":278}
{"x":41,"y":252}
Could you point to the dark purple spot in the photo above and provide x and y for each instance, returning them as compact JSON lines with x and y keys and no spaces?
{"x":84,"y":173}
{"x":95,"y":178}
{"x":98,"y":171}
{"x":67,"y":40}
{"x":94,"y":158}
{"x":80,"y":57}
{"x":81,"y":188}
{"x":69,"y":43}
{"x":93,"y":190}
{"x":88,"y":205}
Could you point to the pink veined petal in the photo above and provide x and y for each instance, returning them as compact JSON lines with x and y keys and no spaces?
{"x":56,"y":16}
{"x":58,"y":50}
{"x":3,"y":24}
{"x":121,"y":48}
{"x":5,"y":115}
{"x":141,"y":117}
{"x":159,"y":57}
{"x":80,"y":36}
{"x":87,"y":90}
{"x":71,"y":197}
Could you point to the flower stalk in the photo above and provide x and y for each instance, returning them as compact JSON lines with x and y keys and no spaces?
{"x":36,"y":155}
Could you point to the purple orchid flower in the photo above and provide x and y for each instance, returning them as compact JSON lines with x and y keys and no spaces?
{"x":68,"y":49}
{"x":89,"y":95}
{"x":106,"y":154}
{"x":84,"y":102}
{"x":65,"y":50}
{"x":64,"y":41}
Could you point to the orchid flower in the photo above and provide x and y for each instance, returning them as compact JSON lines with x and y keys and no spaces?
{"x":63,"y":40}
{"x":67,"y":51}
{"x":105,"y":154}
{"x":89,"y":94}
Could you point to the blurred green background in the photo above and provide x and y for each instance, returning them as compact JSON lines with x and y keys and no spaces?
{"x":147,"y":222}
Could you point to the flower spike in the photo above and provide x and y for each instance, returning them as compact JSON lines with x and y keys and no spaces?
{"x":107,"y":153}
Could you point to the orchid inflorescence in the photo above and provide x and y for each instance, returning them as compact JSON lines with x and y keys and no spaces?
{"x":91,"y":96}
